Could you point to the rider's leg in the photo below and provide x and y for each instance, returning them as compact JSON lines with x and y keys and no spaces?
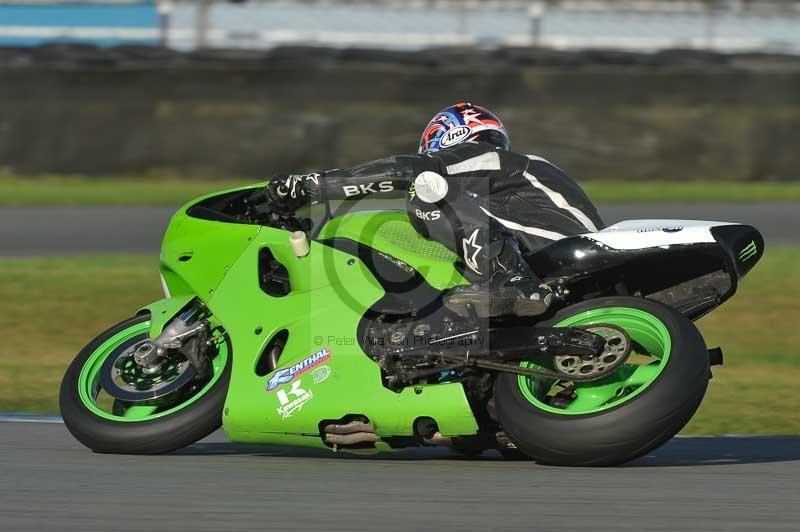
{"x":503,"y":283}
{"x":511,"y":287}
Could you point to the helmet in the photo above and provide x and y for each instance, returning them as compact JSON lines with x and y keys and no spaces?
{"x":463,"y":122}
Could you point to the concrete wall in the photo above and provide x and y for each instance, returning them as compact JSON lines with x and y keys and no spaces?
{"x":598,"y":116}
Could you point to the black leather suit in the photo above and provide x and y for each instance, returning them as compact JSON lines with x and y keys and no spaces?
{"x":469,"y":196}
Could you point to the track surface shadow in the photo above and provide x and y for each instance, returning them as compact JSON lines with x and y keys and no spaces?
{"x":679,"y":452}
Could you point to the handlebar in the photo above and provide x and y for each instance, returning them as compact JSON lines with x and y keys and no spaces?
{"x":258,"y":197}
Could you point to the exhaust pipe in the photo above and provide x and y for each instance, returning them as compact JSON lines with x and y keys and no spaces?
{"x":351,"y":439}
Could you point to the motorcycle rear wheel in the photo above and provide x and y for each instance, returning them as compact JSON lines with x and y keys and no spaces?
{"x":110,"y":426}
{"x":624,"y":415}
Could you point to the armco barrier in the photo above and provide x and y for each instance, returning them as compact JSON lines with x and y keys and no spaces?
{"x":603,"y":115}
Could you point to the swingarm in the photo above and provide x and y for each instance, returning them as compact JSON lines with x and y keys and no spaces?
{"x":575,"y":354}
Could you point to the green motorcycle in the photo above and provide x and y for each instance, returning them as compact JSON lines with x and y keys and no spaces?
{"x":332,"y":334}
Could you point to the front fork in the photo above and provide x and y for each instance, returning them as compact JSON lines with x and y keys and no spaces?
{"x":187,"y":333}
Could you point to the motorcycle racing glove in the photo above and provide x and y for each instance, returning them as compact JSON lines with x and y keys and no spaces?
{"x":287,"y":193}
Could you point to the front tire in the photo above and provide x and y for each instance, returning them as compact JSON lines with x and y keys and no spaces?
{"x":623,"y":415}
{"x":150,"y":429}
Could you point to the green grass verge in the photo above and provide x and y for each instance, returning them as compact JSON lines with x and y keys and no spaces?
{"x":60,"y":190}
{"x":55,"y":306}
{"x":52,"y":308}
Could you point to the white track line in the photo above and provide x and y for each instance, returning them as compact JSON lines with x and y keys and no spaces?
{"x":29,"y":418}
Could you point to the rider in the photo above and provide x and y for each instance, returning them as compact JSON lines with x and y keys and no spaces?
{"x":466,"y":190}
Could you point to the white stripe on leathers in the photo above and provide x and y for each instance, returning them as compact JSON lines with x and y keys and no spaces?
{"x":542,"y":159}
{"x":560,"y":202}
{"x":535,"y":231}
{"x":487,"y":161}
{"x":491,"y":161}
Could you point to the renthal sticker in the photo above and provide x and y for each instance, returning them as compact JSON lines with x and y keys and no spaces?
{"x":428,"y":216}
{"x":369,"y":188}
{"x":287,"y":375}
{"x":293,"y":399}
{"x":455,"y":136}
{"x":320,"y":374}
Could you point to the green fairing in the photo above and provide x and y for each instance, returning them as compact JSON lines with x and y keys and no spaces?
{"x":391,"y":233}
{"x":196,"y":254}
{"x":331,"y":290}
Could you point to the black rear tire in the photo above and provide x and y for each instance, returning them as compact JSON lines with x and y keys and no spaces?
{"x":162,"y":435}
{"x":627,"y":431}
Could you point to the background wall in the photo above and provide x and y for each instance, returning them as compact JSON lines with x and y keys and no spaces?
{"x":672,"y":115}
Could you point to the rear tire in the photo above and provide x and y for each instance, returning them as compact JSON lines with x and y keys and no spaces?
{"x":621,"y":432}
{"x":156,"y":436}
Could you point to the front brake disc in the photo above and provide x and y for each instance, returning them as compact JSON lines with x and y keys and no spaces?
{"x":124,"y":380}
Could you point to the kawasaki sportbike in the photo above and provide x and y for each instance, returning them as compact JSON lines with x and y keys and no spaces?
{"x":332,"y":334}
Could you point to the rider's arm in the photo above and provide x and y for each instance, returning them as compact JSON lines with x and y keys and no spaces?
{"x":384,"y":178}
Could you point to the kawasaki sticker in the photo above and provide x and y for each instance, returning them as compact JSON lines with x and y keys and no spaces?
{"x":293,"y":399}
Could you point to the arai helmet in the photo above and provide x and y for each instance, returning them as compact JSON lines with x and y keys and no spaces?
{"x":463,"y":122}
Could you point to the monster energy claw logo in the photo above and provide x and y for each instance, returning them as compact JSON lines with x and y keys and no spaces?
{"x":748,"y":252}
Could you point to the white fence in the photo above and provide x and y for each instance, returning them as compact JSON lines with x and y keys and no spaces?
{"x":725,"y":25}
{"x":413,"y":24}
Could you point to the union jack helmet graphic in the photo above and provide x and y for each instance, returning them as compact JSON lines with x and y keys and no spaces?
{"x":463,"y":122}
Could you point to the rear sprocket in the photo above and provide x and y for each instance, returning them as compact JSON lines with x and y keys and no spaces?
{"x":593,"y":367}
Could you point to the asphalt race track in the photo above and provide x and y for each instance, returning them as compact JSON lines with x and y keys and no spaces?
{"x":55,"y":231}
{"x":50,"y":482}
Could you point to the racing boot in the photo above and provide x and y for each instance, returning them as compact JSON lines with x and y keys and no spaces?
{"x":512,"y":289}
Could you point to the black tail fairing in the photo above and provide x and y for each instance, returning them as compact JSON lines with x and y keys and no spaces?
{"x":585,"y":262}
{"x":692,"y":277}
{"x":743,"y":246}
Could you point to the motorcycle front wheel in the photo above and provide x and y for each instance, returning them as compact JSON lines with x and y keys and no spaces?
{"x":108,"y":425}
{"x":624,"y":415}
